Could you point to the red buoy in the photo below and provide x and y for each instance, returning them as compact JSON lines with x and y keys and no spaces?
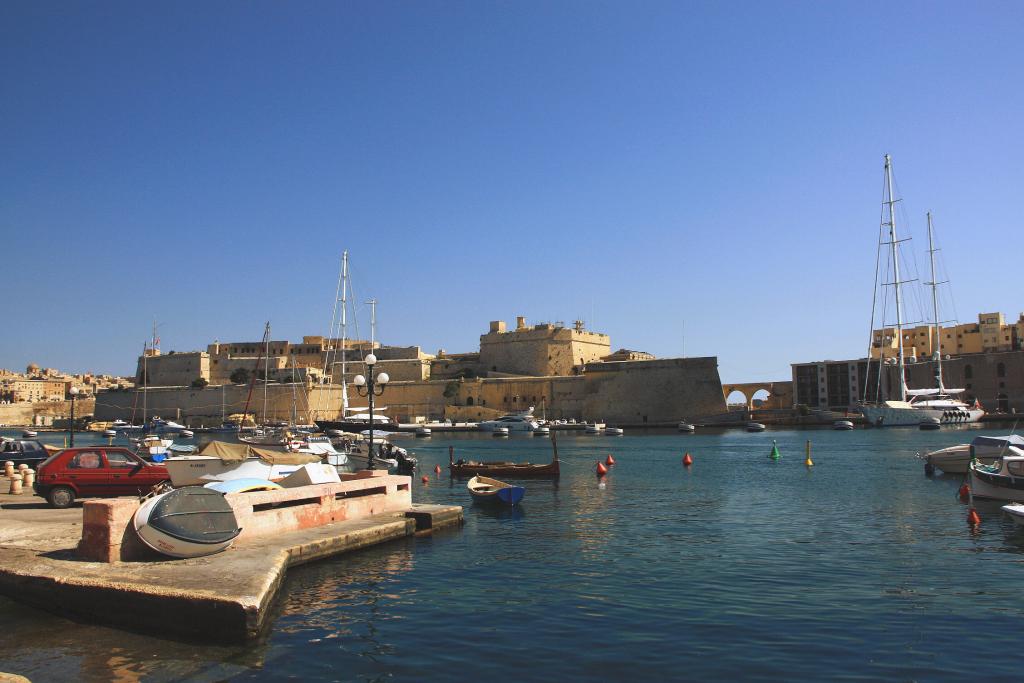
{"x":609,"y":460}
{"x":601,"y":469}
{"x":965,"y":493}
{"x":425,"y":479}
{"x":687,"y":460}
{"x":972,"y":517}
{"x":437,"y":469}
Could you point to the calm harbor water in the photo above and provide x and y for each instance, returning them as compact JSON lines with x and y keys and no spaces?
{"x":859,"y":568}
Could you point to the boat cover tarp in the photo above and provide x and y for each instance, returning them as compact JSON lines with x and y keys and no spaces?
{"x":234,"y":452}
{"x":195,"y":514}
{"x":999,"y":441}
{"x":933,"y":392}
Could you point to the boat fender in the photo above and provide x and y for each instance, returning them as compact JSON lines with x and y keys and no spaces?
{"x":964,"y":493}
{"x":972,"y":517}
{"x":425,"y":479}
{"x":929,"y":469}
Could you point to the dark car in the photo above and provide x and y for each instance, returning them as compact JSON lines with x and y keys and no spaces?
{"x":95,"y":471}
{"x":23,"y":451}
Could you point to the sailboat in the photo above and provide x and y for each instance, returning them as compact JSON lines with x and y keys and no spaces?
{"x":913,"y":407}
{"x":353,"y":420}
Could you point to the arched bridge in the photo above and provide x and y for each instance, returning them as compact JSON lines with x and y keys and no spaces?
{"x":748,"y":389}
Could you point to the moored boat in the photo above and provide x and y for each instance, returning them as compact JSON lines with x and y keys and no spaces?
{"x":423,"y":431}
{"x":955,"y":459}
{"x":470,"y":468}
{"x":1002,"y":480}
{"x":219,"y":461}
{"x":499,"y":431}
{"x":488,"y":490}
{"x":542,"y":431}
{"x":842,"y":425}
{"x":930,"y":423}
{"x":686,"y":428}
{"x":755,"y":427}
{"x":613,"y":431}
{"x":188,"y":522}
{"x":1016,"y":512}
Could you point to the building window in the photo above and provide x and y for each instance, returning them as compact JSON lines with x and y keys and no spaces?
{"x":968,"y":372}
{"x":1000,"y":370}
{"x":469,"y":400}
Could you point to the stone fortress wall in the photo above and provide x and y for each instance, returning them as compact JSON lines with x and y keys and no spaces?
{"x":562,"y":372}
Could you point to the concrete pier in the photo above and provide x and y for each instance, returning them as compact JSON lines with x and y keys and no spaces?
{"x":224,"y":598}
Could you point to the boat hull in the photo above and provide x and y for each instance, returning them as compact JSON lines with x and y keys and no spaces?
{"x":503,"y":469}
{"x":887,"y":416}
{"x":173,"y":526}
{"x":490,"y":491}
{"x":996,"y":486}
{"x":199,"y":470}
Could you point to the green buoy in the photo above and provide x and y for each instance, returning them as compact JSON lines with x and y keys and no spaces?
{"x":774,"y":455}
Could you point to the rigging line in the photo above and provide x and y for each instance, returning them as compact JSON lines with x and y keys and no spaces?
{"x":874,"y":300}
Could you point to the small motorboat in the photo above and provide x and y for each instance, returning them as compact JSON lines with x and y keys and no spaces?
{"x":186,"y":433}
{"x":29,"y":434}
{"x":755,"y":427}
{"x":487,"y":490}
{"x":188,"y":522}
{"x":842,"y":425}
{"x":613,"y":431}
{"x":686,"y":428}
{"x":930,"y":423}
{"x":955,"y":459}
{"x":110,"y":433}
{"x":1002,"y":480}
{"x":500,"y":431}
{"x":592,"y":429}
{"x":423,"y":431}
{"x":1016,"y":512}
{"x":542,"y":431}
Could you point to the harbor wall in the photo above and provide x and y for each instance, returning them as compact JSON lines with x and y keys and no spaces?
{"x":44,"y":413}
{"x":628,"y":392}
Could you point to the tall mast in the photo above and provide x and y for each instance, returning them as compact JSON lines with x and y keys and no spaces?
{"x":373,"y":322}
{"x":344,"y":330}
{"x":145,"y":383}
{"x":266,"y":370}
{"x":894,"y":253}
{"x":935,"y":308}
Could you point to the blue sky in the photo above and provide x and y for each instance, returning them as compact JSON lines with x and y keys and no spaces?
{"x":634,"y":164}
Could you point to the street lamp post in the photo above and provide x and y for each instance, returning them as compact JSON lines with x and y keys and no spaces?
{"x":71,"y":436}
{"x":369,"y":387}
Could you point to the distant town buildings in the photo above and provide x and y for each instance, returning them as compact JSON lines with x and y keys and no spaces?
{"x":986,"y":359}
{"x":990,"y":334}
{"x":48,"y":384}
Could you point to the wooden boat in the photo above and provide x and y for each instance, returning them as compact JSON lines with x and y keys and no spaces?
{"x":472,"y":468}
{"x":188,"y":522}
{"x":487,"y":490}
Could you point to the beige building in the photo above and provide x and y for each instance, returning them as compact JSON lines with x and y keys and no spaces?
{"x":17,"y":390}
{"x":989,"y":335}
{"x":540,"y":350}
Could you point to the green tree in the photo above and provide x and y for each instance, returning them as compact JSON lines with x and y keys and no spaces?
{"x":200,"y":383}
{"x":239,"y":376}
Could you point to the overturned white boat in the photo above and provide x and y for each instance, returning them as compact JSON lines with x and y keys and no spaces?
{"x":219,"y":461}
{"x":187,"y":522}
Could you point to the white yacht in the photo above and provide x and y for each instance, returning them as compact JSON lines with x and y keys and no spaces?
{"x":514,"y":422}
{"x":912,"y":407}
{"x":955,"y":459}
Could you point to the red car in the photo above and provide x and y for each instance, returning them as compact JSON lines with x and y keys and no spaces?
{"x":95,"y":471}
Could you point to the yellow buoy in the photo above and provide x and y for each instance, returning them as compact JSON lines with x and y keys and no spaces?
{"x":808,"y":461}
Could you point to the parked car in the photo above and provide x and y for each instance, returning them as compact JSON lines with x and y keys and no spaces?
{"x":27,"y":451}
{"x":95,"y":471}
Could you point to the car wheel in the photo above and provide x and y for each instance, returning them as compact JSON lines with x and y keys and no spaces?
{"x":61,"y":497}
